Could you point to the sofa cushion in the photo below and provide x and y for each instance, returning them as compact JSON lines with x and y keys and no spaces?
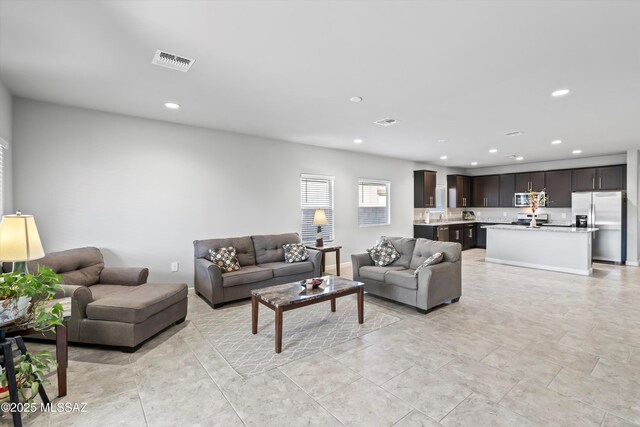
{"x":248,"y":274}
{"x":138,"y":304}
{"x":383,"y":253}
{"x":404,"y":246}
{"x":402,"y":278}
{"x":281,"y":269}
{"x":295,"y":252}
{"x":425,"y":248}
{"x":225,"y":259}
{"x":79,"y":267}
{"x":244,"y":248}
{"x":268,"y":247}
{"x":432,"y":260}
{"x":101,"y":291}
{"x":377,"y":273}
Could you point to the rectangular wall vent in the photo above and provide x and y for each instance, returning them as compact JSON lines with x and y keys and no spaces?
{"x":171,"y":60}
{"x":386,"y":122}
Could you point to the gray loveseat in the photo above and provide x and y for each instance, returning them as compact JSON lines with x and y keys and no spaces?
{"x":261,"y":264}
{"x":110,"y":305}
{"x":434,"y":285}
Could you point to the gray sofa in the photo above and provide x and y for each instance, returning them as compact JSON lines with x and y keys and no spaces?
{"x":261,"y":264}
{"x":434,"y":285}
{"x":112,"y":306}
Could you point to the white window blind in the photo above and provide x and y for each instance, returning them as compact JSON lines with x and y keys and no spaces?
{"x":373,"y":202}
{"x":316,"y":192}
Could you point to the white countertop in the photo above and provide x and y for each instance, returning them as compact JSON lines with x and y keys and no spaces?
{"x":497,"y":221}
{"x":545,"y":228}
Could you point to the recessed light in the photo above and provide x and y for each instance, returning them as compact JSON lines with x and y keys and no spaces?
{"x":493,"y":150}
{"x":577,"y":151}
{"x":357,"y":141}
{"x":514,"y":133}
{"x":442,"y":140}
{"x":474,"y":163}
{"x":556,"y":141}
{"x":172,"y":105}
{"x":355,"y":99}
{"x":443,"y":157}
{"x":560,"y":92}
{"x":519,"y":158}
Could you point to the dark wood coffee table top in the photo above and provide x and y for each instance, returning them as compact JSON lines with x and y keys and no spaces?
{"x":295,"y":293}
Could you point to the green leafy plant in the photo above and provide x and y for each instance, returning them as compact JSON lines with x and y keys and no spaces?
{"x":40,"y":316}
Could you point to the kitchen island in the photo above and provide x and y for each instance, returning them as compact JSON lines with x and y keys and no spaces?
{"x":564,"y":249}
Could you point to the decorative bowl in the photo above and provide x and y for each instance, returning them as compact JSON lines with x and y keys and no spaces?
{"x":315,"y":283}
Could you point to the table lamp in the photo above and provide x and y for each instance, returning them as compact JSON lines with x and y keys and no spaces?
{"x":19,"y":241}
{"x":319,"y":219}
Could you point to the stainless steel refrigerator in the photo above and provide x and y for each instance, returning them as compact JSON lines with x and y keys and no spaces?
{"x":607,"y":211}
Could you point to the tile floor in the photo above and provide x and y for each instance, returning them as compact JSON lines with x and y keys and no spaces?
{"x":522,"y":347}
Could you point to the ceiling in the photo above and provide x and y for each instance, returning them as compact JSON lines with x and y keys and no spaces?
{"x":460,"y":71}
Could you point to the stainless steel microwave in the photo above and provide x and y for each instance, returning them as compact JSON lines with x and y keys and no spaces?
{"x":521,"y":200}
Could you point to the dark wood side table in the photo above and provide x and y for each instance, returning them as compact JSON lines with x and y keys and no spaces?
{"x":325,"y":250}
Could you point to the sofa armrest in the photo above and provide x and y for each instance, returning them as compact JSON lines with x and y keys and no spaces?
{"x":124,"y":276}
{"x":80,"y":297}
{"x":439,"y":283}
{"x":360,"y":260}
{"x":315,"y":257}
{"x":208,"y":280}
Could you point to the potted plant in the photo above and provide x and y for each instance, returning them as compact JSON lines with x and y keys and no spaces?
{"x":23,"y":305}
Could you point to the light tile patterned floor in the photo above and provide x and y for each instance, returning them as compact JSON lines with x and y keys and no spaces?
{"x":522,"y":347}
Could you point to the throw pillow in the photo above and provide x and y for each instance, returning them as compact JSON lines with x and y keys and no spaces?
{"x":295,"y":252}
{"x":383,"y":253}
{"x":225,"y":258}
{"x":432,"y":260}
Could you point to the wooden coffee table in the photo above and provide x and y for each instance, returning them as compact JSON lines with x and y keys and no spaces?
{"x":287,"y":297}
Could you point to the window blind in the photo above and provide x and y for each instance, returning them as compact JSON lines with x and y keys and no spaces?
{"x":316,"y":192}
{"x":373,"y":202}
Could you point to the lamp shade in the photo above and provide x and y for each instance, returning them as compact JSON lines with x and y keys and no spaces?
{"x":319,"y":218}
{"x":19,"y":239}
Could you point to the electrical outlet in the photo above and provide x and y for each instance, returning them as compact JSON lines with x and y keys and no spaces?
{"x":174,"y":266}
{"x":564,"y":215}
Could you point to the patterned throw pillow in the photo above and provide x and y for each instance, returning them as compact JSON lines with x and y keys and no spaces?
{"x":383,"y":253}
{"x":295,"y":252}
{"x":432,"y":260}
{"x":225,"y":258}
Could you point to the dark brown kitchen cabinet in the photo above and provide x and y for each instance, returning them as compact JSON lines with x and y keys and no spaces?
{"x":459,"y":191}
{"x":486,"y":191}
{"x":559,"y":188}
{"x":602,"y":178}
{"x":611,"y":177}
{"x":507,"y":189}
{"x":424,"y":189}
{"x":468,"y":236}
{"x":529,"y":181}
{"x":481,"y":234}
{"x":456,"y":233}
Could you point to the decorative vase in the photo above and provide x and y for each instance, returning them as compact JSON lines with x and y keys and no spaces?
{"x":12,"y":309}
{"x":533,"y":221}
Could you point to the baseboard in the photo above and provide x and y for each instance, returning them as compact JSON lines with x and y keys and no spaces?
{"x":633,"y":263}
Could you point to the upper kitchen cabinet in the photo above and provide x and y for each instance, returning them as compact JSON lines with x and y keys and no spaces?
{"x":603,"y":178}
{"x":459,"y":191}
{"x":529,"y":181}
{"x":486,"y":191}
{"x":507,"y":189}
{"x":424,"y":189}
{"x":559,"y":188}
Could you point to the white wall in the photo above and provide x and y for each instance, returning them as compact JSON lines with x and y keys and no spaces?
{"x":633,"y":199}
{"x":143,"y":190}
{"x":6,"y":136}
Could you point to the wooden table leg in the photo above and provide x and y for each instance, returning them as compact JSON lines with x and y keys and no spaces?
{"x":254,"y":314}
{"x":322,"y":267}
{"x":361,"y":306}
{"x":62,"y":357}
{"x":338,"y":262}
{"x":333,"y":305}
{"x":278,"y":329}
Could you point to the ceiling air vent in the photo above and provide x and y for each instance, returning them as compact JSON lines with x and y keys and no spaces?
{"x":171,"y":60}
{"x":386,"y":122}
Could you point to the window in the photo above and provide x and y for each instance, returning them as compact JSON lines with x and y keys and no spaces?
{"x":440,"y":199}
{"x":373,"y":202}
{"x":316,"y":192}
{"x":2,"y":148}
